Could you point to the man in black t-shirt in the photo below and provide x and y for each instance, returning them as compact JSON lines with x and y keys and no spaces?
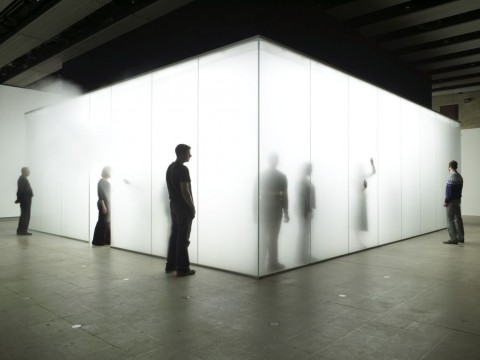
{"x":182,"y":211}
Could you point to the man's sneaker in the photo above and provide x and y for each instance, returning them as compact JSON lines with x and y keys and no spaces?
{"x":452,"y":242}
{"x":186,"y":273}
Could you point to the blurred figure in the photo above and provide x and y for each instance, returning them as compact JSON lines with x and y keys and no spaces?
{"x":363,"y":213}
{"x":307,"y":204}
{"x":182,"y":211}
{"x":453,"y":196}
{"x":24,"y":198}
{"x":274,"y":204}
{"x":101,"y":236}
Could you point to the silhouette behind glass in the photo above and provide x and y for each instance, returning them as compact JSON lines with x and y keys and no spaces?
{"x":274,"y":204}
{"x":306,"y":206}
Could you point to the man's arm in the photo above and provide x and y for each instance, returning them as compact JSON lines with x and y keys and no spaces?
{"x":186,"y":189}
{"x":21,"y":190}
{"x":286,"y":217}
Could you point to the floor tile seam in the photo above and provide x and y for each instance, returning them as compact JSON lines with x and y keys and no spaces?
{"x":404,"y":330}
{"x":377,"y":266}
{"x":110,"y":344}
{"x":440,"y":326}
{"x":345,"y":336}
{"x":436,"y":345}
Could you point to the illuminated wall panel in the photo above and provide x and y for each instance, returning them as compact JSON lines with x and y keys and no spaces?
{"x":329,"y":151}
{"x":361,"y":167}
{"x":363,"y":163}
{"x":389,"y":168}
{"x":442,"y":127}
{"x":284,"y":154}
{"x":228,"y":159}
{"x":14,"y":103}
{"x":131,"y":164}
{"x":428,"y":172}
{"x":44,"y":159}
{"x":73,"y":123}
{"x":174,"y":121}
{"x":101,"y":151}
{"x":411,"y":169}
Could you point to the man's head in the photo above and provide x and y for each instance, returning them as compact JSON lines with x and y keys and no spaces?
{"x":453,"y":165}
{"x":25,"y":171}
{"x":183,"y":153}
{"x":107,"y":172}
{"x":273,"y":160}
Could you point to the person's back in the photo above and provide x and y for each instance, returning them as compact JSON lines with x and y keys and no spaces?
{"x":176,"y":174}
{"x":454,"y":187}
{"x":453,"y":195}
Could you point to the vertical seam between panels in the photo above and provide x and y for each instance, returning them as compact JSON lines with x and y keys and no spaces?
{"x":151,"y":164}
{"x":348,"y":165}
{"x":401,"y":169}
{"x":378,"y":162}
{"x":420,"y":129}
{"x":197,"y":160}
{"x":310,"y":163}
{"x":258,"y":158}
{"x":90,"y":143}
{"x":110,"y":126}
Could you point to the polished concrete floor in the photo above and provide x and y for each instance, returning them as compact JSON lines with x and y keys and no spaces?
{"x":416,"y":299}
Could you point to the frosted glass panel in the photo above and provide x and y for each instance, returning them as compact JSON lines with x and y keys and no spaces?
{"x":131,"y":165}
{"x":270,"y":131}
{"x":363,"y":161}
{"x":43,"y":141}
{"x":442,"y":159}
{"x":329,"y":133}
{"x":411,"y":181}
{"x":228,"y":143}
{"x":284,"y":154}
{"x":174,"y":121}
{"x":74,"y":124}
{"x":428,"y":172}
{"x":389,"y":169}
{"x":100,"y":145}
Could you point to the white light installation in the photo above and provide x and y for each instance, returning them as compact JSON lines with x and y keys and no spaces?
{"x":363,"y":164}
{"x":270,"y":130}
{"x":228,"y":159}
{"x":284,"y":153}
{"x":132,"y":164}
{"x":329,"y":175}
{"x":411,"y":169}
{"x":174,"y":121}
{"x":389,"y":168}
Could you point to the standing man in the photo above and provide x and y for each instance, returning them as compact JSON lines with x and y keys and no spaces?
{"x":24,"y":198}
{"x":453,"y":195}
{"x":274,"y":204}
{"x":182,"y":211}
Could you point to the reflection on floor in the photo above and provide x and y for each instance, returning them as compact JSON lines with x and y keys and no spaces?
{"x":417,"y":299}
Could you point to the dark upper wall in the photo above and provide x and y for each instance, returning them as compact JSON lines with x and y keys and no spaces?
{"x":205,"y":25}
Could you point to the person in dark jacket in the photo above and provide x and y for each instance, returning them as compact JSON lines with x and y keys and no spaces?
{"x":101,"y":236}
{"x":453,"y":196}
{"x":24,"y":198}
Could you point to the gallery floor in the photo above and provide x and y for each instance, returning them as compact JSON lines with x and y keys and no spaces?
{"x":62,"y":299}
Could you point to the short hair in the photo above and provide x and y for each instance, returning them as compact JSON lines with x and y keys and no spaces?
{"x":453,"y":165}
{"x":106,"y":172}
{"x":24,"y":169}
{"x":182,"y":149}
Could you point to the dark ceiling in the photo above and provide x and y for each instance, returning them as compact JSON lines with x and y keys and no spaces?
{"x":438,"y":37}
